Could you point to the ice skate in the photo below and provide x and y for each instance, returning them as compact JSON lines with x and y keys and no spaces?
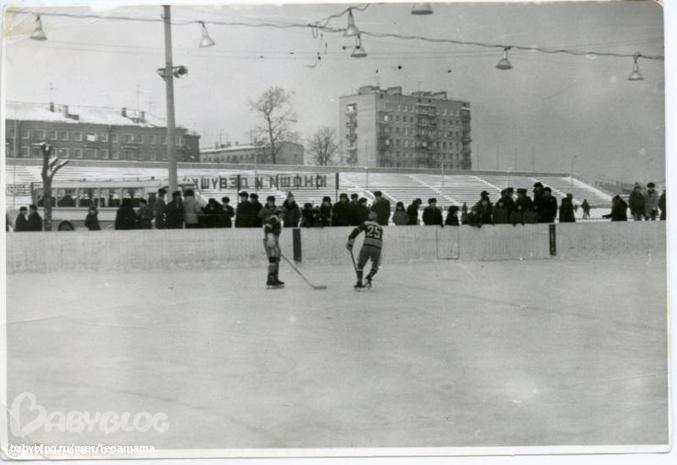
{"x":359,"y":286}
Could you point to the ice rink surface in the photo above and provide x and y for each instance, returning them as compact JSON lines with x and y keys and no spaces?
{"x":505,"y":353}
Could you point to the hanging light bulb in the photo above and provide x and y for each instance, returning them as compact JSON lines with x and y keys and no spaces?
{"x":358,"y":50}
{"x":351,"y":30}
{"x":635,"y":75}
{"x":422,"y":9}
{"x":206,"y":41}
{"x":38,"y":33}
{"x":504,"y":64}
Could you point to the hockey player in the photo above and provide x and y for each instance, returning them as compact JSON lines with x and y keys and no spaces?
{"x":371,"y":248}
{"x":272,"y":227}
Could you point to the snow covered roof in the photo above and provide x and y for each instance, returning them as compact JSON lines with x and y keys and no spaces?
{"x":232,"y":148}
{"x":74,"y":114}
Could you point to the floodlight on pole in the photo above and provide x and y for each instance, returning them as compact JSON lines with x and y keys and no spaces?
{"x":635,"y":75}
{"x":358,"y":50}
{"x":205,"y":41}
{"x":38,"y":33}
{"x":422,"y":9}
{"x":504,"y":63}
{"x":168,"y":76}
{"x":351,"y":30}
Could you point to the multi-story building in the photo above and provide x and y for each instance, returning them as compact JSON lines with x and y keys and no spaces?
{"x":92,"y":133}
{"x":288,"y":153}
{"x":384,"y":128}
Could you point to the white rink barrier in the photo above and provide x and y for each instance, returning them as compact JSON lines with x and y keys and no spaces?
{"x":605,"y":239}
{"x":195,"y":249}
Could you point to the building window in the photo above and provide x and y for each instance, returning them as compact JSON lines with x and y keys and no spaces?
{"x":153,"y":139}
{"x":35,"y":151}
{"x":76,"y":153}
{"x":78,"y":135}
{"x":25,"y":134}
{"x":10,"y":131}
{"x":129,"y":138}
{"x":116,"y":156}
{"x":38,"y":134}
{"x":104,"y":154}
{"x":24,"y":151}
{"x":153,"y":155}
{"x":180,"y":140}
{"x":90,"y":154}
{"x":114,"y":138}
{"x":62,"y":153}
{"x":104,"y":137}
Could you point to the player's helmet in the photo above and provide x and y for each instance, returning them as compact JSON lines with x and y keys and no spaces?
{"x":372,"y":216}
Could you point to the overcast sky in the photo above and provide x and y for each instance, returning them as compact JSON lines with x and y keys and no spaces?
{"x":554,"y":106}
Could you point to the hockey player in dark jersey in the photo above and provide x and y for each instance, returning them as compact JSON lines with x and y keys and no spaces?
{"x":371,"y":248}
{"x":272,"y":227}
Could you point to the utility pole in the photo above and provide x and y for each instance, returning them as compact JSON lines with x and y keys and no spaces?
{"x":515,"y":165}
{"x":169,"y":85}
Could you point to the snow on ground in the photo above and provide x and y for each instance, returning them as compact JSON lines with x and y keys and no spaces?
{"x":548,"y":352}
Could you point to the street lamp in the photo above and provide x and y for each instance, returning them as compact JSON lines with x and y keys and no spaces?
{"x":572,"y":169}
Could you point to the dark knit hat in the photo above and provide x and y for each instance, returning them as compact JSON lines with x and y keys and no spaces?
{"x":378,"y":194}
{"x":521,"y":191}
{"x":431,"y":200}
{"x":270,"y":198}
{"x":254,"y":196}
{"x":243,"y":194}
{"x":354,"y":195}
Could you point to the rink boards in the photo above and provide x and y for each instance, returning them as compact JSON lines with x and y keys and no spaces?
{"x":199,"y":249}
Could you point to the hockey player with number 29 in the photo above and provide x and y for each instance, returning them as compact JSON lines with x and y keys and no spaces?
{"x":371,"y":248}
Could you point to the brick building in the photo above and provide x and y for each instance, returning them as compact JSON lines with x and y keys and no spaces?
{"x":384,"y":128}
{"x":93,"y":133}
{"x":288,"y":153}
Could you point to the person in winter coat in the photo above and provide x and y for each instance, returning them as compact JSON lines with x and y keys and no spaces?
{"x":307,"y":216}
{"x":362,"y":210}
{"x":191,"y":209}
{"x":637,"y":202}
{"x":354,"y":210}
{"x":619,"y":210}
{"x":412,"y":211}
{"x":341,"y":211}
{"x":501,"y":213}
{"x":21,"y":222}
{"x":256,"y":207}
{"x":484,"y":209}
{"x":34,"y":219}
{"x":228,"y":213}
{"x":381,"y":206}
{"x":243,"y":215}
{"x":523,"y":208}
{"x":159,"y":208}
{"x":566,"y":210}
{"x":145,"y":215}
{"x":507,"y":198}
{"x":585,"y":206}
{"x":268,"y":209}
{"x":326,"y":212}
{"x":651,"y":202}
{"x":547,"y":210}
{"x":432,"y":215}
{"x":212,"y":214}
{"x":400,"y":217}
{"x":92,"y":219}
{"x":452,"y":216}
{"x":126,"y":217}
{"x":174,"y":212}
{"x":661,"y":205}
{"x":464,"y":213}
{"x":291,"y":212}
{"x":537,"y":196}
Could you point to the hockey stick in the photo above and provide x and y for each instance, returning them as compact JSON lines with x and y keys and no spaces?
{"x":316,"y":287}
{"x":353,"y":257}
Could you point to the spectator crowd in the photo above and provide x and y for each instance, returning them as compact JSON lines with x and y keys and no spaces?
{"x":511,"y":207}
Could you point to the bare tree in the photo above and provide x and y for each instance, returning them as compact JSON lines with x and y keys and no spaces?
{"x":50,"y":166}
{"x":322,"y":145}
{"x":274,"y":107}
